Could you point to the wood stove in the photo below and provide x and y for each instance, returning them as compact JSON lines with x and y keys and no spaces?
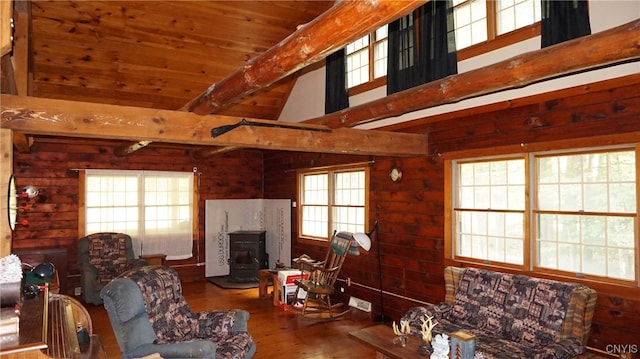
{"x":247,"y":255}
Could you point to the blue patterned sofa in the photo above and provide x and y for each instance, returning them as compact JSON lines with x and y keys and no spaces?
{"x":512,"y":316}
{"x":149,"y":315}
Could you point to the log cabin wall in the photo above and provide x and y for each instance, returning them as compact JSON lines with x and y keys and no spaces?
{"x":53,"y":218}
{"x":411,"y":212}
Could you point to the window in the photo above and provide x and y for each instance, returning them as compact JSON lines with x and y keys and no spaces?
{"x":332,"y":199}
{"x":470,"y":22}
{"x":516,"y":14}
{"x":479,"y":21}
{"x":570,"y":213}
{"x":154,"y":208}
{"x":369,"y":49}
{"x":585,"y":213}
{"x":491,"y":210}
{"x":408,"y":45}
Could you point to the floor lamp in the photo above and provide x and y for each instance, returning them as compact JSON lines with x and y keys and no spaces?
{"x":380,"y":318}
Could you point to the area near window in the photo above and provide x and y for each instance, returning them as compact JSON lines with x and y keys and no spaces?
{"x":570,"y":212}
{"x":478,"y":21}
{"x":480,"y":26}
{"x":332,"y":199}
{"x":155,"y":208}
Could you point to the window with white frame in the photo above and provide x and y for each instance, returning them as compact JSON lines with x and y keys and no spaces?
{"x":332,"y":200}
{"x":154,"y":208}
{"x":571,"y":212}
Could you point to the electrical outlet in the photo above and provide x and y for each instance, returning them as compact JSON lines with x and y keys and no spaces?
{"x":360,"y":304}
{"x":77,"y":291}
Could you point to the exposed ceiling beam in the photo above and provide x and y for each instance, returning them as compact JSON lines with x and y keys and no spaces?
{"x":609,"y":47}
{"x":18,"y":70}
{"x":40,"y":116}
{"x":6,"y":8}
{"x":131,"y":148}
{"x":345,"y":22}
{"x":21,"y":142}
{"x":210,"y":151}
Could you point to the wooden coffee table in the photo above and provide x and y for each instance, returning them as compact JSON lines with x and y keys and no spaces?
{"x":380,"y":338}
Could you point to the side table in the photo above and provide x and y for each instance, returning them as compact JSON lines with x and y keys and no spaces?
{"x":263,"y":281}
{"x":380,"y":338}
{"x":155,"y":259}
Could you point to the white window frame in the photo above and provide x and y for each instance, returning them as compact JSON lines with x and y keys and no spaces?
{"x":159,"y":219}
{"x":332,"y":206}
{"x":532,"y":212}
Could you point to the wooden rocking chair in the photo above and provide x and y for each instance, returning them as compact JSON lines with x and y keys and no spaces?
{"x":322,"y":276}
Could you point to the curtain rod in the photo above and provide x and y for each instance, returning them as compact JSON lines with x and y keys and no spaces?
{"x":370,"y":162}
{"x":194,"y":170}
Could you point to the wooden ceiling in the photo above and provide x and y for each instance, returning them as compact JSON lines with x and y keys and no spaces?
{"x":159,"y":54}
{"x":231,"y":59}
{"x":147,"y":64}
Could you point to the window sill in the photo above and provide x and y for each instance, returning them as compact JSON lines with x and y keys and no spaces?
{"x":368,"y":86}
{"x":319,"y":242}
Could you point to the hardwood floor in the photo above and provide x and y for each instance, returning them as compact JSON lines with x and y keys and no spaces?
{"x":277,"y":333}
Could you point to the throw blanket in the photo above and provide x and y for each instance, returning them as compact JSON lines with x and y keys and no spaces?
{"x":108,"y":255}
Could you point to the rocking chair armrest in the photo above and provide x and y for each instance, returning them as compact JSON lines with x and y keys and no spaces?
{"x":306,"y":262}
{"x":325,"y":270}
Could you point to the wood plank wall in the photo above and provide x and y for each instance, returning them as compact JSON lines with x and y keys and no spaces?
{"x":53,"y":218}
{"x":410,"y":213}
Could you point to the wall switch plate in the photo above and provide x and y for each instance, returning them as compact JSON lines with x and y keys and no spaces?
{"x":77,"y":291}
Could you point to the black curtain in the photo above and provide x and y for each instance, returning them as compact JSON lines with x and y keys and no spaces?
{"x":564,"y":20}
{"x":336,"y":94}
{"x":421,"y":47}
{"x":402,"y":72}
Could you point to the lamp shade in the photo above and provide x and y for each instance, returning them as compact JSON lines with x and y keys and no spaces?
{"x":363,"y":240}
{"x":30,"y":191}
{"x":44,"y":270}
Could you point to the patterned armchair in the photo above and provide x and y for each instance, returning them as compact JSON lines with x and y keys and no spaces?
{"x":149,"y":315}
{"x":512,"y":316}
{"x":102,"y":257}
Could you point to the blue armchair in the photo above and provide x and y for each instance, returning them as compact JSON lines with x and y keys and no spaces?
{"x":102,"y":257}
{"x":149,"y":315}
